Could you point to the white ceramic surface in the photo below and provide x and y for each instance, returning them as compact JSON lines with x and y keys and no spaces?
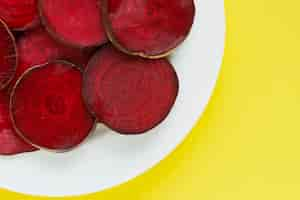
{"x":109,"y":159}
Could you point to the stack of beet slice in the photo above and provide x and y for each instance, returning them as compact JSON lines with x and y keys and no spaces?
{"x":66,"y":65}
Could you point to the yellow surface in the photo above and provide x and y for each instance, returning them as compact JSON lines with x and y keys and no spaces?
{"x":247,"y":144}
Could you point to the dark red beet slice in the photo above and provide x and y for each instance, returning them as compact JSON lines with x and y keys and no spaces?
{"x":37,"y":47}
{"x":129,"y":94}
{"x":74,"y":22}
{"x":10,"y":142}
{"x":19,"y":14}
{"x":8,"y":55}
{"x":47,"y":108}
{"x":151,"y":28}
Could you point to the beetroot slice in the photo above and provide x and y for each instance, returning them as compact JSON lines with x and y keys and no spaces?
{"x":8,"y":55}
{"x":19,"y":14}
{"x":151,"y":28}
{"x":74,"y":22}
{"x":47,"y":108}
{"x":37,"y":47}
{"x":131,"y":95}
{"x":10,"y":142}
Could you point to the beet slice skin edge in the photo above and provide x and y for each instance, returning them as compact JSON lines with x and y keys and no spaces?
{"x":19,"y":14}
{"x":151,"y":28}
{"x":129,"y":94}
{"x":51,"y":95}
{"x":8,"y":55}
{"x":10,"y":142}
{"x":74,"y":22}
{"x":36,"y":47}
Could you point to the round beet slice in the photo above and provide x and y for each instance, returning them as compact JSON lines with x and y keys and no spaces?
{"x":36,"y":47}
{"x":129,"y":94}
{"x":151,"y":28}
{"x":74,"y":22}
{"x":47,"y":107}
{"x":10,"y":142}
{"x":8,"y":55}
{"x":19,"y":14}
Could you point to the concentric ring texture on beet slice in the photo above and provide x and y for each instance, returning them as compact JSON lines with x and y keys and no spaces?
{"x":10,"y":142}
{"x":8,"y":55}
{"x":19,"y":14}
{"x":129,"y":94}
{"x":151,"y":28}
{"x":36,"y":47}
{"x":74,"y":22}
{"x":47,"y":107}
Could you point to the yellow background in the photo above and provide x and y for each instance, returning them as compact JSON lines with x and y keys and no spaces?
{"x":247,"y":144}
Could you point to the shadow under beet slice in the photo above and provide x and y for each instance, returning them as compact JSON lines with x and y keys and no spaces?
{"x":8,"y":55}
{"x":36,"y":47}
{"x":131,"y":95}
{"x":10,"y":142}
{"x":151,"y":28}
{"x":47,"y":108}
{"x":19,"y":14}
{"x":74,"y":22}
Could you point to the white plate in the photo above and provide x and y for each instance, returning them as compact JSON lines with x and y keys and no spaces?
{"x":108,"y":159}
